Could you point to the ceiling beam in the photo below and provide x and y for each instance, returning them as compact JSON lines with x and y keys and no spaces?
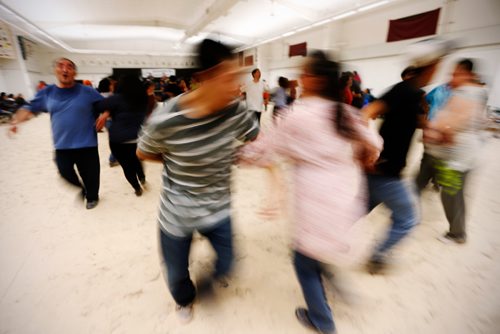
{"x":302,"y":11}
{"x":217,"y":9}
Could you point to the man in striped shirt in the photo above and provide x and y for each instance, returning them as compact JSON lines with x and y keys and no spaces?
{"x":196,"y":135}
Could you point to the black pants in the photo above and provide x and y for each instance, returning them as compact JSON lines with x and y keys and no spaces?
{"x":131,"y":165}
{"x":87,"y":163}
{"x":257,"y":116}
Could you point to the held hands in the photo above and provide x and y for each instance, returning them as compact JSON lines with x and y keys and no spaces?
{"x":367,"y":156}
{"x":101,"y":121}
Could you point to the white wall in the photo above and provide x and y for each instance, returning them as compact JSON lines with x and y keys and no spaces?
{"x":359,"y":42}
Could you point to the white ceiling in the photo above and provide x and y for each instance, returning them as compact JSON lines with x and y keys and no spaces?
{"x":164,"y":26}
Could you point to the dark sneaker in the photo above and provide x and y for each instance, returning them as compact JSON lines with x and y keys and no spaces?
{"x":91,"y":204}
{"x":376,"y":266}
{"x":138,"y":192}
{"x":113,"y":163}
{"x":184,"y":313}
{"x":303,"y":317}
{"x":142,"y":180}
{"x":450,"y":237}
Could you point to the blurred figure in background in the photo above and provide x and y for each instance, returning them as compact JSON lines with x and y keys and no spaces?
{"x":346,"y":87}
{"x":194,"y":136}
{"x":328,"y":144}
{"x":453,"y":139}
{"x":150,"y":91}
{"x":106,"y":87}
{"x":254,"y":93}
{"x":402,"y":109}
{"x":280,"y":97}
{"x":127,"y":109}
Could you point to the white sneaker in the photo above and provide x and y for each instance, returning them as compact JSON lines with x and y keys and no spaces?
{"x":184,"y":313}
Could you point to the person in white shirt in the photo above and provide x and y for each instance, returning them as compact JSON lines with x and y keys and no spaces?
{"x":254,"y":91}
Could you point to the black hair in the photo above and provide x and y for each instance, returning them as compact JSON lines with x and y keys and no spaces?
{"x":104,"y":86}
{"x":133,"y":90}
{"x":319,"y":65}
{"x":255,"y":71}
{"x":410,"y":70}
{"x":283,"y":82}
{"x":466,"y":64}
{"x":212,"y":53}
{"x":344,"y":78}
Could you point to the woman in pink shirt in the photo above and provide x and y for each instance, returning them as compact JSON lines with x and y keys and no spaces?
{"x":328,"y":146}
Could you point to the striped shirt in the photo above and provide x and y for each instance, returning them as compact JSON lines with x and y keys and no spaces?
{"x":197,"y":158}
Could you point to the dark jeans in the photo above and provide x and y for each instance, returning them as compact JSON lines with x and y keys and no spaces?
{"x":257,"y":115}
{"x":87,"y":163}
{"x":175,"y":252}
{"x":426,"y":173}
{"x":452,"y":185}
{"x":131,"y":165}
{"x":309,"y":274}
{"x":394,"y":194}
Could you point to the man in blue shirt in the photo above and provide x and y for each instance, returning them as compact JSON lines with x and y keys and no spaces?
{"x":72,"y":117}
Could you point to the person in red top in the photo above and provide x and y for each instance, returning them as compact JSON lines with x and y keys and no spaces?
{"x":345,"y":86}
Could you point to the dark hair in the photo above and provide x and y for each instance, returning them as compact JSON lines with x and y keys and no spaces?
{"x":133,"y":90}
{"x":104,"y":86}
{"x":255,"y":71}
{"x":410,"y":70}
{"x":283,"y":82}
{"x":466,"y":64}
{"x":344,"y":79}
{"x":319,"y":65}
{"x":211,"y":53}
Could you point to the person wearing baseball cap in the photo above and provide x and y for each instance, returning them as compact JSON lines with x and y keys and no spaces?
{"x":402,"y":110}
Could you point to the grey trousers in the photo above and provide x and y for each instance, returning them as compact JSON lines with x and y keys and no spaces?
{"x":452,"y":184}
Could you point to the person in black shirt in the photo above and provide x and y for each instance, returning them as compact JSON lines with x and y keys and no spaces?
{"x":402,"y":110}
{"x":127,"y":108}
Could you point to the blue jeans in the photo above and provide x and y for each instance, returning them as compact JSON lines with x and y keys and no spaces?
{"x":394,"y":194}
{"x":175,"y":252}
{"x":309,"y":274}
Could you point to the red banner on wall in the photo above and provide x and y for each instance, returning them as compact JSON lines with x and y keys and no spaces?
{"x":414,"y":26}
{"x":298,"y":50}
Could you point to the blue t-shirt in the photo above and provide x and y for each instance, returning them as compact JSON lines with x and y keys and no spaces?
{"x":437,"y":98}
{"x":71,"y":113}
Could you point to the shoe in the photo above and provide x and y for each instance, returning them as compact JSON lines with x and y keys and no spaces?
{"x":92,"y":204}
{"x":376,"y":266}
{"x":113,"y":163}
{"x":184,"y":313}
{"x":142,"y":180}
{"x":303,"y":317}
{"x":449,"y":237}
{"x":138,"y":192}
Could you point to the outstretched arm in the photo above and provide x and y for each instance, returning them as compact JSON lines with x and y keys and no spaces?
{"x":21,"y":115}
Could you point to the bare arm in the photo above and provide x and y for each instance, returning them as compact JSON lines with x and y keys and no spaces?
{"x":146,"y":156}
{"x":373,"y":110}
{"x":21,"y":115}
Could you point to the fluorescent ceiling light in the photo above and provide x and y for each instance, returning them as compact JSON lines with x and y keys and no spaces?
{"x":303,"y":28}
{"x":320,"y":22}
{"x":373,"y":5}
{"x":290,"y":33}
{"x":346,"y":14}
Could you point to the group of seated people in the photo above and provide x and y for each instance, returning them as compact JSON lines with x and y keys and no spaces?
{"x":9,"y":104}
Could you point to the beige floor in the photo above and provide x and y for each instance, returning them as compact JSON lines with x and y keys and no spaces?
{"x":65,"y":269}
